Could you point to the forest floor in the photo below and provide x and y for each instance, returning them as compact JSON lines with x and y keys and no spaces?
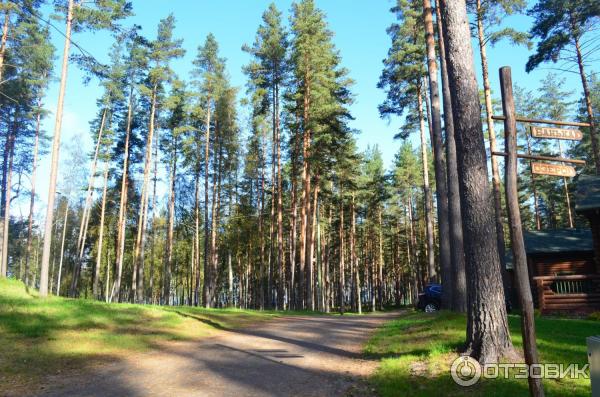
{"x":68,"y":347}
{"x":417,"y":350}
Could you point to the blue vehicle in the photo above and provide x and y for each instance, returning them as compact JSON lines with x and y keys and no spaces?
{"x":430,"y":300}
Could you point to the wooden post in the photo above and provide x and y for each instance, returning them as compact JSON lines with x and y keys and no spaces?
{"x":516,"y":231}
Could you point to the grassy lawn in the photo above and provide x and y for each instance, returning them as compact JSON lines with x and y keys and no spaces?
{"x":40,"y":337}
{"x":416,"y":352}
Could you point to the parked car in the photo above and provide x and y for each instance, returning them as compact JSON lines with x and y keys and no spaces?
{"x":430,"y":300}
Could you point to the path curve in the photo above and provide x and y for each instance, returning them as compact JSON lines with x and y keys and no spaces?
{"x":289,"y":356}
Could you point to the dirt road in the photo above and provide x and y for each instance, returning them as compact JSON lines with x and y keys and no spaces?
{"x":291,"y":356}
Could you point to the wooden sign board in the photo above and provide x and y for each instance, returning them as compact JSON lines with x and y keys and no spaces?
{"x":556,"y":133}
{"x":553,"y":169}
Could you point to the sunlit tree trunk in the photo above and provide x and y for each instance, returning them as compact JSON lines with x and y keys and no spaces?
{"x":488,"y":336}
{"x":4,"y":40}
{"x":207,"y":271}
{"x":96,"y":289}
{"x":36,"y":145}
{"x":341,"y":249}
{"x":432,"y":274}
{"x":120,"y":249}
{"x":137,"y":282}
{"x":489,"y":111}
{"x":536,"y":205}
{"x":153,"y":217}
{"x":55,"y":153}
{"x":168,"y":261}
{"x":380,"y":264}
{"x":10,"y":147}
{"x":280,"y":249}
{"x":459,"y":282}
{"x":588,"y":99}
{"x":311,"y":247}
{"x":62,"y":249}
{"x":306,"y":189}
{"x":441,"y":179}
{"x":85,"y":218}
{"x":353,"y":258}
{"x":197,"y":237}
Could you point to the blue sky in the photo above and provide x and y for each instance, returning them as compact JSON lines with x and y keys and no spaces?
{"x":360,"y":35}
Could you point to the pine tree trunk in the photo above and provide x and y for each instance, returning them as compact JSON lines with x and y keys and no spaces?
{"x":441,"y":178}
{"x":197,"y":236}
{"x":293,"y":292}
{"x":36,"y":145}
{"x":216,"y":205}
{"x":261,"y":258}
{"x":280,"y":253}
{"x":432,"y":273}
{"x":62,"y":249}
{"x":137,"y":282}
{"x":496,"y":187}
{"x":306,"y":189}
{"x":96,"y":289}
{"x":207,"y":270}
{"x":536,"y":206}
{"x":4,"y":40}
{"x":272,"y":222}
{"x":353,"y":258}
{"x":459,"y":282}
{"x":380,"y":263}
{"x":55,"y":153}
{"x":153,"y":216}
{"x":168,"y":261}
{"x":588,"y":100}
{"x":567,"y":195}
{"x":8,"y":187}
{"x":311,"y":247}
{"x":85,"y":218}
{"x":342,"y":268}
{"x":116,"y":290}
{"x":488,"y":337}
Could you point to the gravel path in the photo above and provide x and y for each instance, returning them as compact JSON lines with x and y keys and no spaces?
{"x":291,"y":356}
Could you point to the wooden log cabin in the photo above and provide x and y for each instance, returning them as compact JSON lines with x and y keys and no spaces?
{"x":564,"y":264}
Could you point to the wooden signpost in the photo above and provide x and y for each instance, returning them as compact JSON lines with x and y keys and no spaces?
{"x":556,"y":133}
{"x":553,"y":169}
{"x":516,"y":231}
{"x":512,"y":202}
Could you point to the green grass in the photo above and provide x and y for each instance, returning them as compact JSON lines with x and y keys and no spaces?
{"x":40,"y":337}
{"x":416,"y":352}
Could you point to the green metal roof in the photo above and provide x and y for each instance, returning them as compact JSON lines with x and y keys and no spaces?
{"x":559,"y":240}
{"x":587,"y":195}
{"x":554,"y":241}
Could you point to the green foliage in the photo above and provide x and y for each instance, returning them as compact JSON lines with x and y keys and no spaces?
{"x":403,"y":75}
{"x":558,"y":24}
{"x":98,"y":15}
{"x":491,"y":14}
{"x":583,"y":148}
